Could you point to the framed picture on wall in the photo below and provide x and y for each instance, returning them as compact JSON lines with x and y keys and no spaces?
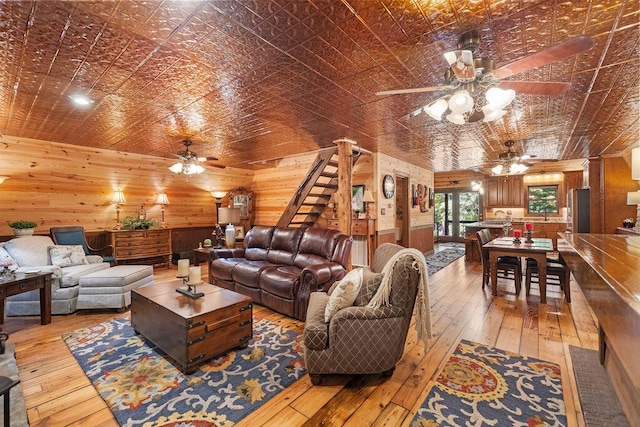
{"x":357,"y":192}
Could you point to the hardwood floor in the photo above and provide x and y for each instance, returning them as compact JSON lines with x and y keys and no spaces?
{"x":57,"y":393}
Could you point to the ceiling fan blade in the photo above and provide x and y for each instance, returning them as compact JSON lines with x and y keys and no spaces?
{"x":413,"y":90}
{"x":207,"y":159}
{"x":536,"y":88}
{"x":547,"y":56}
{"x":215,"y":165}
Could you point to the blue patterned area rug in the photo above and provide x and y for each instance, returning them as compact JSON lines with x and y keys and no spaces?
{"x":484,"y":386}
{"x":141,"y":387}
{"x":441,"y":259}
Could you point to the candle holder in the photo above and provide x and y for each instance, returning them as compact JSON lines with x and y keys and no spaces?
{"x":528,"y":239}
{"x":191,"y":290}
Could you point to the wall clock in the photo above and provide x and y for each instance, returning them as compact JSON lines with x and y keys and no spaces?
{"x":388,"y":186}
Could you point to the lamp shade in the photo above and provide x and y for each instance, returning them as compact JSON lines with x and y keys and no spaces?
{"x":162,"y":199}
{"x":367,"y":196}
{"x":118,"y":198}
{"x":461,"y":102}
{"x":500,"y":98}
{"x":228,"y":215}
{"x":218,"y":194}
{"x":436,"y":109}
{"x":633,"y":198}
{"x":635,"y":163}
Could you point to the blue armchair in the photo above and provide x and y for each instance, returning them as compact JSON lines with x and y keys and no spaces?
{"x":74,"y":235}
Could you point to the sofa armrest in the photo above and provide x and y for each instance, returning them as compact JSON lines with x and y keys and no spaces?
{"x":313,"y":278}
{"x":94,"y":259}
{"x":56,"y":270}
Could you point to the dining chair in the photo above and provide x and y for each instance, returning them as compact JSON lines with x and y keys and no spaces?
{"x":74,"y":235}
{"x":509,"y":267}
{"x":558,"y":274}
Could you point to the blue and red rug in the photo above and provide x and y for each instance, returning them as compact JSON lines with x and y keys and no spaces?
{"x":141,"y":387}
{"x":484,"y":386}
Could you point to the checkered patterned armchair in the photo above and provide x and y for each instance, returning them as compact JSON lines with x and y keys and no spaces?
{"x":360,"y":339}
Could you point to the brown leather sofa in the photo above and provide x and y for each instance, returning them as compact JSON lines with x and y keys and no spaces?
{"x":279,"y":267}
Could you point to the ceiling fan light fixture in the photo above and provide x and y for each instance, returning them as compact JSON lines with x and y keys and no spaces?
{"x":436,"y":109}
{"x":496,"y":169}
{"x":500,"y":98}
{"x":456,"y":118}
{"x":461,"y":102}
{"x":490,"y":114}
{"x":517,"y":168}
{"x":176,"y":167}
{"x":192,"y":169}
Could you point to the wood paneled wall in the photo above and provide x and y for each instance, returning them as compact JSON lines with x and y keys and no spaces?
{"x":385,"y":165}
{"x":56,"y":184}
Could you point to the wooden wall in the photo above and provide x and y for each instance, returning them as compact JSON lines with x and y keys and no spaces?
{"x":56,"y":184}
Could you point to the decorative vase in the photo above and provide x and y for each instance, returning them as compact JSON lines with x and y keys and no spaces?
{"x":22,"y":232}
{"x":230,"y":236}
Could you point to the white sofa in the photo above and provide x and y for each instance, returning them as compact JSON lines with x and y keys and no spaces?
{"x":32,"y":253}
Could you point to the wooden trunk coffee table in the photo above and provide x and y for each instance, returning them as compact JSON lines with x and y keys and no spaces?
{"x":192,"y":331}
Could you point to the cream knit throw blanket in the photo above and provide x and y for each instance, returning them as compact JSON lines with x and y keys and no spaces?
{"x":423,"y":313}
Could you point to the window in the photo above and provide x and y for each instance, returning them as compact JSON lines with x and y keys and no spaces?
{"x":542,"y":199}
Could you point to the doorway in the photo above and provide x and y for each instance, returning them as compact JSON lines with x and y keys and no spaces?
{"x":402,"y":211}
{"x":454,"y":209}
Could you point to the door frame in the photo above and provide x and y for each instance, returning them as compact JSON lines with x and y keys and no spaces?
{"x":456,"y":208}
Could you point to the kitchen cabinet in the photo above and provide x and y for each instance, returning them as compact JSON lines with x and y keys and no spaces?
{"x":504,"y":192}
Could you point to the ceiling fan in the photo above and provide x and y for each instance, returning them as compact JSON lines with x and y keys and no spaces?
{"x":469,"y":76}
{"x":189,"y":163}
{"x":514,"y":162}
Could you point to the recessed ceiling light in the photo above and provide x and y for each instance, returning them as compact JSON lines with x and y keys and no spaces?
{"x":81,"y":100}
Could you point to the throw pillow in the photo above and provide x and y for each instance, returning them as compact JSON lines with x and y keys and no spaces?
{"x":370,"y":284}
{"x":344,"y":294}
{"x":67,"y":255}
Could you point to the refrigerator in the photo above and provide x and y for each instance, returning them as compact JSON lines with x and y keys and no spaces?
{"x":578,"y":213}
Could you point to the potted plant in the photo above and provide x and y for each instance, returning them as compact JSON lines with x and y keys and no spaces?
{"x":131,"y":223}
{"x":23,"y":228}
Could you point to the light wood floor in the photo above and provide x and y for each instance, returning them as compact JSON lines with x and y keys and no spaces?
{"x":57,"y":392}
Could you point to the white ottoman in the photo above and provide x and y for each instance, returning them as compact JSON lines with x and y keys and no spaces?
{"x":111,"y":288}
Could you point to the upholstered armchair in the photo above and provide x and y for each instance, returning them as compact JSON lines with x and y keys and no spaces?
{"x":74,"y":235}
{"x":361,"y":339}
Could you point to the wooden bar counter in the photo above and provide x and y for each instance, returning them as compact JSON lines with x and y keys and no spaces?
{"x":607,"y":269}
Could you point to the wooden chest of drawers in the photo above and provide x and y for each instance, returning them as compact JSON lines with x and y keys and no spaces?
{"x":141,"y":244}
{"x":192,"y":331}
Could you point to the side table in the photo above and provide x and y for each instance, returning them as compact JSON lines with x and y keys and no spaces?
{"x":25,"y":282}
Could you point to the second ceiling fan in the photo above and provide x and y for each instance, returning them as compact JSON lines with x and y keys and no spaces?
{"x":470,"y":77}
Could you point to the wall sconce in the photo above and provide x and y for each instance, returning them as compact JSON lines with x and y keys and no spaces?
{"x":635,"y":163}
{"x":162,"y":200}
{"x":229,"y":216}
{"x":2,"y":178}
{"x":118,"y":199}
{"x":367,"y":198}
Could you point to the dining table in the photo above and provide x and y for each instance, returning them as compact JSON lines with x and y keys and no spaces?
{"x":537,"y":249}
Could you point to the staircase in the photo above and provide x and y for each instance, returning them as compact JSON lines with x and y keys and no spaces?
{"x":313,"y":194}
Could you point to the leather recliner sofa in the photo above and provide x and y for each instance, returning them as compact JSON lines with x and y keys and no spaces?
{"x":280,"y":266}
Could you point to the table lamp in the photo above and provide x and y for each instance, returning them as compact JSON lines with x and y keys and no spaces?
{"x":229,"y":216}
{"x":367,"y":198}
{"x":633,"y":198}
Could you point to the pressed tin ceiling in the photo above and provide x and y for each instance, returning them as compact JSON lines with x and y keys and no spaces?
{"x":249,"y":81}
